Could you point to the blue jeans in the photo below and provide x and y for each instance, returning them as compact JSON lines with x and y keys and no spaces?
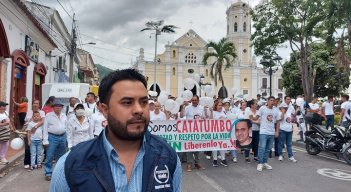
{"x":57,"y":147}
{"x":264,"y":147}
{"x":330,"y":121}
{"x":255,"y":142}
{"x":285,"y":137}
{"x":36,"y":149}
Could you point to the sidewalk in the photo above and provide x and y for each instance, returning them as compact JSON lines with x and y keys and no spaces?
{"x":12,"y":156}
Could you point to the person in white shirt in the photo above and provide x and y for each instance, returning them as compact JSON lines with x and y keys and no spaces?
{"x":157,"y":114}
{"x":328,"y":112}
{"x":54,"y":136}
{"x":285,"y":132}
{"x":151,"y":105}
{"x":253,"y":105}
{"x":70,"y":108}
{"x":242,"y":113}
{"x":79,"y":128}
{"x":35,"y":135}
{"x":314,"y":111}
{"x":218,"y":113}
{"x":90,"y":104}
{"x":345,"y":111}
{"x":4,"y":132}
{"x":268,"y":131}
{"x":98,"y":122}
{"x":194,"y":111}
{"x":27,"y":119}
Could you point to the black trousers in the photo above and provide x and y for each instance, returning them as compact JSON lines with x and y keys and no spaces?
{"x":26,"y":160}
{"x":21,"y":117}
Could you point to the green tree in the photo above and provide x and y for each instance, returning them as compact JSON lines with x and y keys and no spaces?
{"x":224,"y":52}
{"x":337,"y":30}
{"x":329,"y":81}
{"x":294,"y":21}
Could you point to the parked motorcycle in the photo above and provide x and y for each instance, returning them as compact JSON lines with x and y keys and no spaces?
{"x":336,"y":141}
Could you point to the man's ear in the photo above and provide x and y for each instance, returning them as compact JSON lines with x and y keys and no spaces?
{"x":104,"y":109}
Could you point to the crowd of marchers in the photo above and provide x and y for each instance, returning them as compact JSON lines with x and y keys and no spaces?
{"x":50,"y":131}
{"x":266,"y":124}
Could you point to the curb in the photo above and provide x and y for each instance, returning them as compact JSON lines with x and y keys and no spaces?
{"x":12,"y":161}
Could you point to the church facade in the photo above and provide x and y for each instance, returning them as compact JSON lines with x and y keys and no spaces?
{"x":183,"y":59}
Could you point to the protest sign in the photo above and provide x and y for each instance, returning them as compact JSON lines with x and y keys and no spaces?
{"x":196,"y":134}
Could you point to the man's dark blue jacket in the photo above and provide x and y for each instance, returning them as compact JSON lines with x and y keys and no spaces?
{"x":87,"y":166}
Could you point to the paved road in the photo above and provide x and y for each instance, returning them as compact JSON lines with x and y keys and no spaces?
{"x":241,"y":176}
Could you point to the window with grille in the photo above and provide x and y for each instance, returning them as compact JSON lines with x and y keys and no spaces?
{"x":190,"y":58}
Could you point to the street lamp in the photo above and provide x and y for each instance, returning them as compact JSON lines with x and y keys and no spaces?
{"x":158,"y":27}
{"x":268,"y":63}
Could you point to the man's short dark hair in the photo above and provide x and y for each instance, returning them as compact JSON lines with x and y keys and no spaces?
{"x":270,"y":97}
{"x":34,"y":112}
{"x":346,"y":97}
{"x":196,"y":96}
{"x":91,"y":93}
{"x":286,"y":96}
{"x":105,"y":88}
{"x":247,"y":121}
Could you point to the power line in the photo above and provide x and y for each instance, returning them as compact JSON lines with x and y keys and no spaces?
{"x":113,"y":51}
{"x":113,"y":61}
{"x":24,"y":22}
{"x":64,"y":9}
{"x":114,"y":44}
{"x":44,"y":24}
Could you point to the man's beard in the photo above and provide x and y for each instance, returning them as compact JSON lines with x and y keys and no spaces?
{"x":120,"y":130}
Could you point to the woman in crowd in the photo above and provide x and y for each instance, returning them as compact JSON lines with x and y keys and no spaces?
{"x":5,"y":128}
{"x":218,"y":113}
{"x":22,"y":108}
{"x":48,"y":105}
{"x":28,"y":118}
{"x":79,"y":128}
{"x":253,"y":105}
{"x":242,"y":113}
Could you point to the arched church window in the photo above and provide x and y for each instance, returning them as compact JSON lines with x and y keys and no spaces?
{"x":244,"y":27}
{"x":235,"y":27}
{"x":174,"y":71}
{"x":174,"y":53}
{"x":190,"y":58}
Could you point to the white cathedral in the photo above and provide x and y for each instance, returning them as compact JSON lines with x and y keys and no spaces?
{"x":183,"y":58}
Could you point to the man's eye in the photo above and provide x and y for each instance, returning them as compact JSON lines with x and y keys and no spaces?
{"x":126,"y":102}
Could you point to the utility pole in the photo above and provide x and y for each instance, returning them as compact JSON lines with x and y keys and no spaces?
{"x":72,"y":51}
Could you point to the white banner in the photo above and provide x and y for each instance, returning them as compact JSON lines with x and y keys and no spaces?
{"x":196,"y":134}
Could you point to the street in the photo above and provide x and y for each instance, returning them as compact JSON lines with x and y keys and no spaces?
{"x":334,"y":175}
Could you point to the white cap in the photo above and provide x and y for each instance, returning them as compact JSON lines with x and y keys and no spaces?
{"x":284,"y":105}
{"x":226,"y":100}
{"x":151,"y":101}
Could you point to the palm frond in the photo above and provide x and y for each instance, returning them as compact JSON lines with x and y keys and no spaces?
{"x":168,"y":29}
{"x":206,"y":56}
{"x":147,"y":28}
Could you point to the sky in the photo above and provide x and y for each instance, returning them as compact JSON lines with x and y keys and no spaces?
{"x":114,"y":25}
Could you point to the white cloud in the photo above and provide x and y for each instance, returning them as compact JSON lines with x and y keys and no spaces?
{"x":118,"y":23}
